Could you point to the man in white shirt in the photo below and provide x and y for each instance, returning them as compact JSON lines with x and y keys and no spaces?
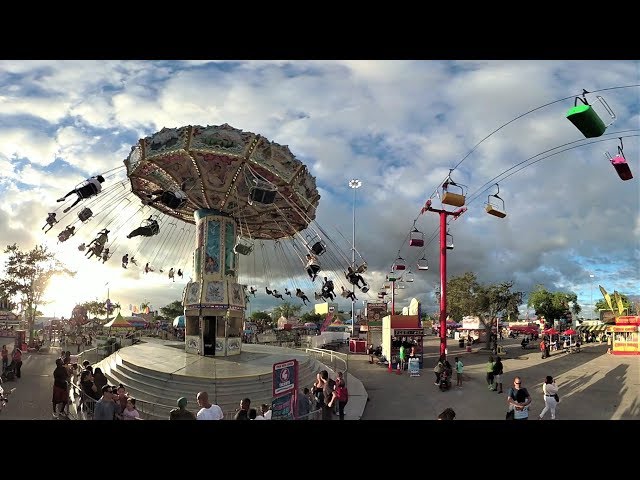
{"x":207,"y":410}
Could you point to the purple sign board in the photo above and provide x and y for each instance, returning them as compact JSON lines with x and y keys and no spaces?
{"x":285,"y":378}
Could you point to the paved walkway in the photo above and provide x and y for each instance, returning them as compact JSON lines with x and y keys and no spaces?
{"x":592,"y":384}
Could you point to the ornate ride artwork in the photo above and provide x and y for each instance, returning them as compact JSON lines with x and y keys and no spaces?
{"x":236,"y":296}
{"x":193,"y":293}
{"x":216,"y":167}
{"x":214,"y":293}
{"x":193,"y":343}
{"x":212,"y":252}
{"x":233,"y":344}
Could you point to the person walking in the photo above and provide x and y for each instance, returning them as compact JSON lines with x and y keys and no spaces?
{"x":459,"y":367}
{"x":498,"y":370}
{"x":518,"y":400}
{"x":208,"y":410}
{"x":489,"y":370}
{"x":16,"y":358}
{"x":551,"y":398}
{"x":181,"y":413}
{"x":5,"y":357}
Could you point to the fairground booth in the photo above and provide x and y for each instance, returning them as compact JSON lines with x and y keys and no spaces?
{"x":372,"y":322}
{"x":398,"y":330}
{"x":626,"y":335}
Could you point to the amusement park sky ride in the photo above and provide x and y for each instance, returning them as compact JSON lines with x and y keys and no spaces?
{"x":452,"y":194}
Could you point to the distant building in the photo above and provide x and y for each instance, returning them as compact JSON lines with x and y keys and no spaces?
{"x":7,"y":317}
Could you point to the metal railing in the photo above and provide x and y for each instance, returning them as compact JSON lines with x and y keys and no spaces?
{"x":337,"y":361}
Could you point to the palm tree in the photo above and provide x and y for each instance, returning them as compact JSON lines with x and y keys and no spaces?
{"x":286,"y":310}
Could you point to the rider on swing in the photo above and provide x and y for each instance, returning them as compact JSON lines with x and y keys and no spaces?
{"x":90,"y":187}
{"x":150,"y":229}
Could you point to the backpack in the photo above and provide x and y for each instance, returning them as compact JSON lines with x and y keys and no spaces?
{"x":342,"y":393}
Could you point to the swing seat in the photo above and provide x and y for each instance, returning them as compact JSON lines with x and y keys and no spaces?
{"x":318,"y":248}
{"x":622,"y":167}
{"x":423,"y":267}
{"x":400,"y":266}
{"x":242,"y":249}
{"x":381,"y":295}
{"x":450,"y":246}
{"x":263,"y":192}
{"x":491,"y":210}
{"x":585,"y":118}
{"x":85,"y":214}
{"x":364,"y":289}
{"x":454,"y":199}
{"x":416,"y":242}
{"x":172,"y":201}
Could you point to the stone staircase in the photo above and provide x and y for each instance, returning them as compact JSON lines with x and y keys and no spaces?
{"x":156,"y":392}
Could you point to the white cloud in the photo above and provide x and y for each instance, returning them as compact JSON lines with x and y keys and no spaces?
{"x":399,"y":126}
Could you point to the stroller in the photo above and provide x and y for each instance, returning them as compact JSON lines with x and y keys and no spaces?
{"x":9,"y":373}
{"x":445,"y":377}
{"x":4,"y":396}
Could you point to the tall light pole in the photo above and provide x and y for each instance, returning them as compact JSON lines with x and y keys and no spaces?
{"x":593,"y":307}
{"x":355,"y":184}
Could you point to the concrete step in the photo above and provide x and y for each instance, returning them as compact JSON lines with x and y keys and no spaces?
{"x":157,"y":392}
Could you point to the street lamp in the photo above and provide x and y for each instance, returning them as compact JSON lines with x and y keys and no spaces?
{"x":591,"y":276}
{"x":355,"y":184}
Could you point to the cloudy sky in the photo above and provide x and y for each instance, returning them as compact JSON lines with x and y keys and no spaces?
{"x":398,"y":126}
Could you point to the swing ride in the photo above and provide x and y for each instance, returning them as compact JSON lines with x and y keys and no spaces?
{"x":235,"y":195}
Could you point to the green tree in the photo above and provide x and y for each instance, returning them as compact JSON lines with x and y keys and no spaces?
{"x":98,"y":308}
{"x":553,"y":305}
{"x":311,"y":317}
{"x":28,"y":313}
{"x":462,"y":296}
{"x":262,"y":319}
{"x":467,"y":297}
{"x":27,"y":277}
{"x":173,"y":310}
{"x":286,"y":310}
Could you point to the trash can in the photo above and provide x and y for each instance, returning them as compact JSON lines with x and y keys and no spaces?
{"x":461,"y":343}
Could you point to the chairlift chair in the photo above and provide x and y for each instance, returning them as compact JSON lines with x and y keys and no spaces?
{"x":423,"y":264}
{"x":449,"y":244}
{"x":243,"y":246}
{"x":416,"y":238}
{"x":391,"y":276}
{"x":408,"y":276}
{"x":492,"y":208}
{"x":620,"y":164}
{"x":585,"y":118}
{"x":399,"y":264}
{"x":451,"y":198}
{"x":262,"y":192}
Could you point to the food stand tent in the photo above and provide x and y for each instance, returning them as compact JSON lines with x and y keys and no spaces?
{"x":119,"y":323}
{"x":137,"y":322}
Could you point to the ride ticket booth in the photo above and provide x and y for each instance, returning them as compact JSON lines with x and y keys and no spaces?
{"x":400,"y":330}
{"x":626,"y":335}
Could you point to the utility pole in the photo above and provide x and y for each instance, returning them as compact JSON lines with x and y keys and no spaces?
{"x":443,"y":269}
